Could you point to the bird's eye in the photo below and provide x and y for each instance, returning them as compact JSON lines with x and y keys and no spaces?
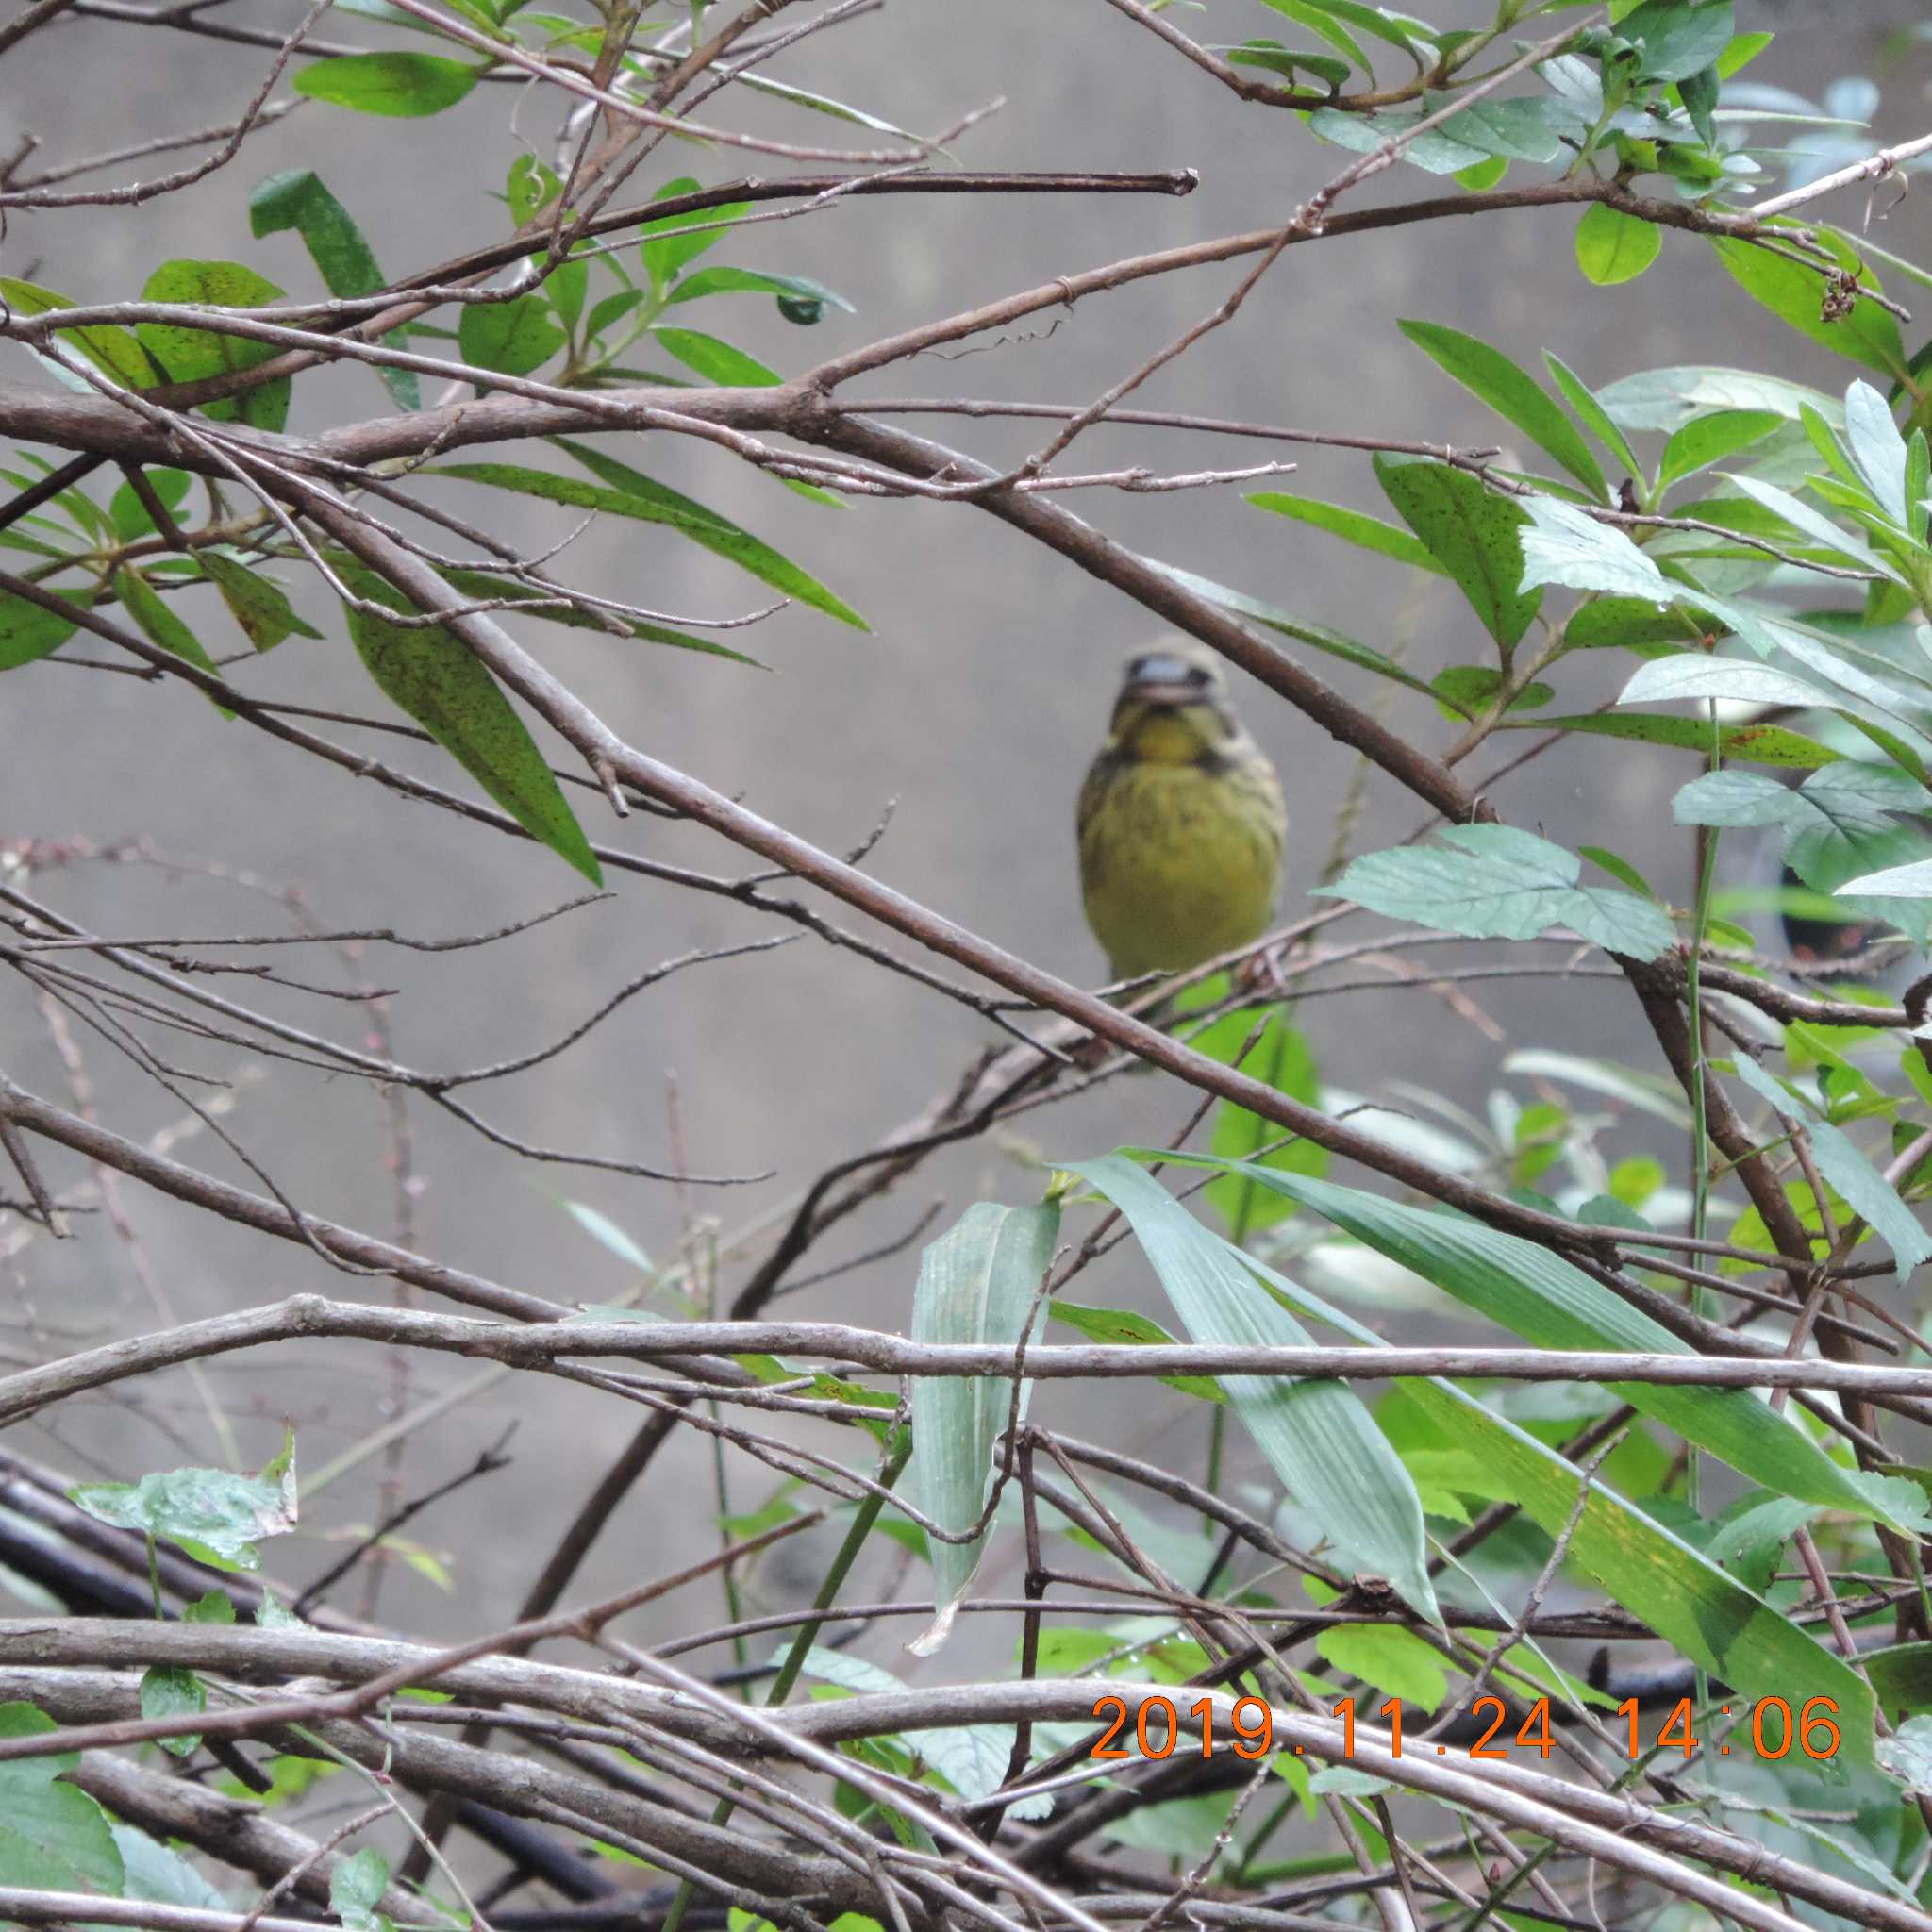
{"x":1197,"y":675}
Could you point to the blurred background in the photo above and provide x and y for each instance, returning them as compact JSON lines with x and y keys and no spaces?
{"x":972,"y":710}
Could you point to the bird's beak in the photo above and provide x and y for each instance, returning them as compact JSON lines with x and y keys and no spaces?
{"x":1163,"y":681}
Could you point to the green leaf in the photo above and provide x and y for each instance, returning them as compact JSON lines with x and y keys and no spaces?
{"x":1666,"y":399}
{"x":1472,"y":532}
{"x":1842,"y":1166}
{"x":1797,"y":295}
{"x":1397,"y":1662}
{"x":1613,"y":247}
{"x":1758,"y":744}
{"x":129,"y":514}
{"x":1499,"y":882}
{"x":356,"y":1885}
{"x":1654,"y":1574}
{"x":1636,"y":623}
{"x":750,"y":281}
{"x":1706,"y":440}
{"x":212,"y":1513}
{"x":978,"y":1282}
{"x":1679,"y":37}
{"x":1289,"y":62}
{"x":298,"y":199}
{"x":511,"y":338}
{"x":1551,"y":1303}
{"x":256,"y":604}
{"x":194,"y":354}
{"x":1566,"y":545}
{"x":443,"y":685}
{"x":567,"y":286}
{"x":1284,"y":1059}
{"x":112,"y":350}
{"x":1317,"y":1435}
{"x":481,"y":586}
{"x":1372,"y":533}
{"x":1593,"y":414}
{"x":28,"y":631}
{"x":1693,"y":674}
{"x":1127,"y":1329}
{"x":716,"y":361}
{"x":162,"y":624}
{"x":1316,"y":635}
{"x":167,"y":1691}
{"x":1876,"y":449}
{"x":399,"y":84}
{"x":1466,"y":690}
{"x":1435,"y":152}
{"x":631,"y":493}
{"x":665,"y":250}
{"x":53,"y":1836}
{"x":1514,"y":395}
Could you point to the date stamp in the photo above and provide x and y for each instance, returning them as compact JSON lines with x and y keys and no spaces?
{"x":1154,"y":1729}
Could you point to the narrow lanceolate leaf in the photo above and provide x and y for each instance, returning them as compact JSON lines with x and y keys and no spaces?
{"x":193,"y":355}
{"x":1499,"y":882}
{"x":1316,"y":1435}
{"x":1513,"y":393}
{"x":1473,"y":534}
{"x":797,"y":290}
{"x":1566,"y":545}
{"x":1842,"y":1166}
{"x":1758,"y":744}
{"x":628,"y":492}
{"x":440,"y":683}
{"x":1317,"y":636}
{"x":1592,"y":414}
{"x":1691,"y":1604}
{"x":162,"y":624}
{"x":300,"y":200}
{"x":1551,"y":1303}
{"x":978,"y":1282}
{"x":481,"y":586}
{"x":256,"y":604}
{"x":399,"y":84}
{"x":1876,"y":449}
{"x":1372,"y":533}
{"x":1694,"y":676}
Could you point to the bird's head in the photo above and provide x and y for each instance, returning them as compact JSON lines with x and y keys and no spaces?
{"x":1173,"y":707}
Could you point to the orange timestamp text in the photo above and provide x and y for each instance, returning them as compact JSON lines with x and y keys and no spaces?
{"x":1154,"y":1728}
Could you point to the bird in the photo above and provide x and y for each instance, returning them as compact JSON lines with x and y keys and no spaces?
{"x":1180,"y":821}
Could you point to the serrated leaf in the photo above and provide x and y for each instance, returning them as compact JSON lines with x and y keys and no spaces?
{"x":1513,"y":393}
{"x":978,"y":1282}
{"x":1500,"y":882}
{"x":212,"y":1513}
{"x":53,"y":1836}
{"x":401,"y":85}
{"x":1566,"y":545}
{"x":1317,"y":1435}
{"x":434,"y":678}
{"x":194,"y":354}
{"x":1472,"y":532}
